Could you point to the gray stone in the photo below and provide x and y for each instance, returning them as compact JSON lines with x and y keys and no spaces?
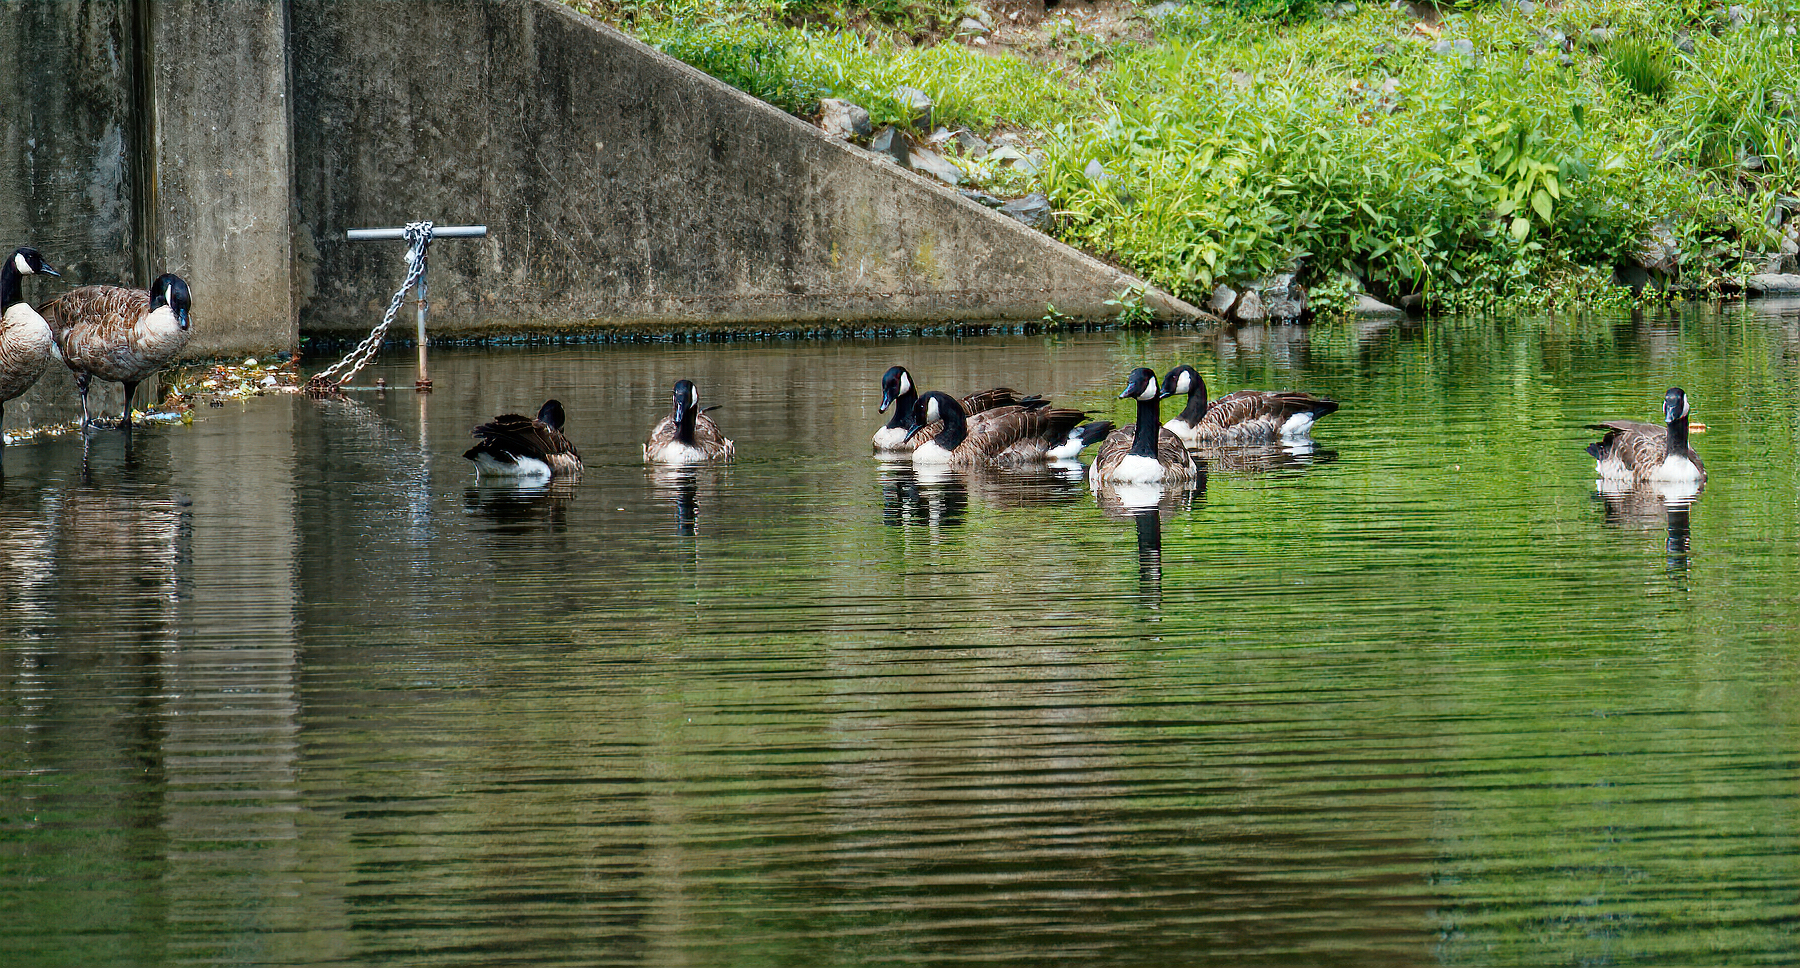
{"x":1249,"y":308}
{"x":1750,"y":161}
{"x":1338,"y":11}
{"x":891,"y":144}
{"x":928,"y":162}
{"x":1737,"y":15}
{"x":970,"y":27}
{"x":1525,"y":7}
{"x":915,"y":105}
{"x":970,"y":143}
{"x":1367,"y":305}
{"x":1034,"y":210}
{"x":1683,"y":42}
{"x":1164,"y":9}
{"x":1096,"y":172}
{"x":1223,"y":298}
{"x":1282,"y":296}
{"x":843,"y":120}
{"x":980,"y":197}
{"x":1773,"y":282}
{"x":1600,"y":37}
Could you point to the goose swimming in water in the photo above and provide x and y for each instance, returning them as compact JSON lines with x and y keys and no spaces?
{"x":528,"y":448}
{"x":26,"y":342}
{"x":1241,"y":416}
{"x":1634,"y":453}
{"x":1146,"y":453}
{"x":687,"y":435}
{"x":898,"y":391}
{"x":118,"y":333}
{"x":1006,"y":436}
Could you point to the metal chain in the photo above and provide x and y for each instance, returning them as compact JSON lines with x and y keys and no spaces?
{"x":418,"y":238}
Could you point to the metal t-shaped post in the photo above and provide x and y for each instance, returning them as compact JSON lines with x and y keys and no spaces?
{"x":423,"y":383}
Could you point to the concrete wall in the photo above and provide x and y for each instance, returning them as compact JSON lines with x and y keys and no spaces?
{"x":621,"y":188}
{"x":222,"y":188}
{"x":233,"y":141}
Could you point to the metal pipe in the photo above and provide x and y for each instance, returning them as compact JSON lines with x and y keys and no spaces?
{"x":437,"y":232}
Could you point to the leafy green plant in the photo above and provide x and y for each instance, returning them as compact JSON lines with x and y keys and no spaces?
{"x":1129,"y":308}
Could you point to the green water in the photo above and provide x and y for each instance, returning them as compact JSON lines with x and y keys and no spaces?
{"x":285,"y":687}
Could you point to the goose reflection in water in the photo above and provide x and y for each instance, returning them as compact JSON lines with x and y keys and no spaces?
{"x":518,"y":508}
{"x":941,"y":502}
{"x":681,"y":484}
{"x":1651,"y":504}
{"x":1148,"y":506}
{"x":1286,"y":455}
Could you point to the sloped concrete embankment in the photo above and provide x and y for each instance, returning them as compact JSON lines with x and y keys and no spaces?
{"x":622,"y":189}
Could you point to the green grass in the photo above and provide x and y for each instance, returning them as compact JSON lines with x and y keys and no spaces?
{"x":1242,"y":140}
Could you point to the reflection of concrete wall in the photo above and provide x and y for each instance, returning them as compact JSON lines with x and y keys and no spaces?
{"x":230,"y":722}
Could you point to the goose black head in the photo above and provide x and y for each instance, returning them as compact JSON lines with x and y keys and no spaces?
{"x":1141,"y":386}
{"x":171,"y":290}
{"x":687,"y":402}
{"x":1183,"y":379}
{"x":931,"y":408}
{"x":28,"y":262}
{"x":895,"y":383}
{"x":551,"y":414}
{"x":1675,"y":405}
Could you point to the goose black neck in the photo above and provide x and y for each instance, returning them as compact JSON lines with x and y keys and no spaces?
{"x":903,"y":407}
{"x":1678,"y":435}
{"x":1196,"y":406}
{"x":685,"y":418}
{"x":956,"y":427}
{"x":10,"y":289}
{"x":1149,"y":428}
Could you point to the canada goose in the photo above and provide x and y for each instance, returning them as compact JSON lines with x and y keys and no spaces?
{"x":119,"y":333}
{"x":26,"y":343}
{"x":517,"y":446}
{"x":1006,"y":436}
{"x":1244,"y":415}
{"x":1146,"y":453}
{"x":1636,"y":453}
{"x":687,"y":435}
{"x":898,"y":391}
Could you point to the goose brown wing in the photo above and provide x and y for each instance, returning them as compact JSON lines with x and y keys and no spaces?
{"x":989,"y":400}
{"x":1171,"y":452}
{"x":711,"y":439}
{"x":1040,"y":429}
{"x":89,"y":320}
{"x":1259,"y":412}
{"x":516,"y":435}
{"x":1639,"y":446}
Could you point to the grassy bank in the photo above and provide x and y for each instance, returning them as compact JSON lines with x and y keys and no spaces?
{"x":1467,"y":155}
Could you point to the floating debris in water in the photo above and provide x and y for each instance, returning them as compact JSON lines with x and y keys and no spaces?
{"x":217,"y":382}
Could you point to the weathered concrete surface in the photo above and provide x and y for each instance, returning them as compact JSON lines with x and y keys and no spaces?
{"x":621,"y":189}
{"x":222,"y":172}
{"x":66,"y":160}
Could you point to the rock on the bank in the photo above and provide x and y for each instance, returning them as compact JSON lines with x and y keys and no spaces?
{"x":928,"y":162}
{"x":1034,"y":210}
{"x":1767,"y":282}
{"x":1250,"y":307}
{"x":844,"y":120}
{"x":891,"y":144}
{"x":915,"y":104}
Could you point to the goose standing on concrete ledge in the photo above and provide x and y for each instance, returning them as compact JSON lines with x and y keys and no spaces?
{"x":1634,"y":453}
{"x":1243,"y":416}
{"x":898,"y":391}
{"x":26,"y":343}
{"x":687,"y":435}
{"x":1146,"y":453}
{"x":526,"y":448}
{"x":119,"y":333}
